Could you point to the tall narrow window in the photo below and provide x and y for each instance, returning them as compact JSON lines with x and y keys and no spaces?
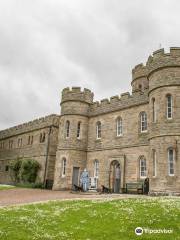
{"x":171,"y":162}
{"x":10,"y":144}
{"x":98,"y":130}
{"x":119,"y":127}
{"x":67,"y":128}
{"x":142,"y":167}
{"x":154,"y":163}
{"x":154,"y":110}
{"x":63,"y":167}
{"x":78,"y":130}
{"x":143,"y":119}
{"x":169,"y":106}
{"x":96,"y":168}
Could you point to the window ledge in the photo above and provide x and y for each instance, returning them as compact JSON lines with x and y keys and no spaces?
{"x":119,"y":136}
{"x":98,"y":140}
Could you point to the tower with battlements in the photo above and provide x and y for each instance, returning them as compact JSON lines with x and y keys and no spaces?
{"x":125,"y":139}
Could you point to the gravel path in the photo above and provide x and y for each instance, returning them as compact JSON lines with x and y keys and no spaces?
{"x":24,"y":195}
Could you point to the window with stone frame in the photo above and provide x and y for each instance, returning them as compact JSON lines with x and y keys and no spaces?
{"x":19,"y":142}
{"x":63,"y":167}
{"x":31,"y":138}
{"x":96,"y":168}
{"x":169,"y":106}
{"x":153,"y":110}
{"x":10,"y":144}
{"x":154,"y":173}
{"x":171,"y":162}
{"x":98,"y":130}
{"x":42,"y":137}
{"x":67,"y":128}
{"x":142,"y":168}
{"x":119,"y":127}
{"x":143,"y":121}
{"x":79,"y":130}
{"x":6,"y":168}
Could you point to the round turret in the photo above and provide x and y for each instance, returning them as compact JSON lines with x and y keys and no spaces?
{"x":139,"y":78}
{"x":164,"y":133}
{"x":75,"y":101}
{"x":72,"y":139}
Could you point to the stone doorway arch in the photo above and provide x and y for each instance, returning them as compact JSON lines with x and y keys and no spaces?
{"x":115,"y":176}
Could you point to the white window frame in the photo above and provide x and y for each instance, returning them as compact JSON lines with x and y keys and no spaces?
{"x":154,"y":163}
{"x":67,"y":128}
{"x":98,"y":130}
{"x":64,"y":164}
{"x":79,"y":130}
{"x":96,"y":168}
{"x":119,"y":127}
{"x":140,"y":168}
{"x":169,"y":105}
{"x":171,"y":162}
{"x":143,"y":120}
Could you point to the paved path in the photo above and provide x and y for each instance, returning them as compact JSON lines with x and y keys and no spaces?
{"x":24,"y":195}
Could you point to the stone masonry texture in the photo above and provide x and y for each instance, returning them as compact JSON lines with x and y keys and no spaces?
{"x":63,"y":157}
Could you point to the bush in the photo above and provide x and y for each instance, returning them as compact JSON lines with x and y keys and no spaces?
{"x":25,"y":170}
{"x":15,"y":166}
{"x":28,"y":170}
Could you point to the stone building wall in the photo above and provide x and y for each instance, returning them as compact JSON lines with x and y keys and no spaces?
{"x":25,"y":140}
{"x":151,"y":83}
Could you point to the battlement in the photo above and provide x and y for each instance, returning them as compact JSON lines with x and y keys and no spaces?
{"x":75,"y":94}
{"x":118,"y":102}
{"x":39,"y":123}
{"x":138,"y":71}
{"x":160,"y":59}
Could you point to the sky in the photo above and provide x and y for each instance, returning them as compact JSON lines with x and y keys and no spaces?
{"x":47,"y":45}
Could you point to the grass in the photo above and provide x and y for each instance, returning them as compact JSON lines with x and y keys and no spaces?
{"x":4,"y":187}
{"x":91,"y":219}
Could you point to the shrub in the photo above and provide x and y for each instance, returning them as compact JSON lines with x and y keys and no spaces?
{"x":24,"y":170}
{"x":15,"y":166}
{"x":28,"y":170}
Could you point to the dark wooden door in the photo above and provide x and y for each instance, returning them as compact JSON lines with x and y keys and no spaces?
{"x":75,"y":177}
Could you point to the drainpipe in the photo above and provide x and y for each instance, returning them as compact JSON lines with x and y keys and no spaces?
{"x":47,"y":152}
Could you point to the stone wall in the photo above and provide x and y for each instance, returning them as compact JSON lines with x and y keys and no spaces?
{"x":44,"y":152}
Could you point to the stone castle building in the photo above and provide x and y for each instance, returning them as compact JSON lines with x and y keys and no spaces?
{"x":121,"y":140}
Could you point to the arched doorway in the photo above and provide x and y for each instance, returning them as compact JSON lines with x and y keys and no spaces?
{"x":115,"y":176}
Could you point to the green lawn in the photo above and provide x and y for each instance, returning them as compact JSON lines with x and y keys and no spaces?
{"x":91,"y":220}
{"x":4,"y":187}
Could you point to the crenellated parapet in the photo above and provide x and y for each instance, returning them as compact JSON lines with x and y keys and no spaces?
{"x":139,"y":78}
{"x":51,"y":120}
{"x":75,"y":94}
{"x":115,"y":103}
{"x":138,"y":71}
{"x":160,"y":59}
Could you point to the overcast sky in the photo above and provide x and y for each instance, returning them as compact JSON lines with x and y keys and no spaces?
{"x":46,"y":45}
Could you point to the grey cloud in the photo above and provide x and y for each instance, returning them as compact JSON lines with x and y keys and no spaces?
{"x":48,"y":45}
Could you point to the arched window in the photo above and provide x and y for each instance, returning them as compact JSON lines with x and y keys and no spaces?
{"x":78,"y":130}
{"x":96,"y":168}
{"x":143,"y":119}
{"x":63,"y":166}
{"x":171,"y":162}
{"x":140,"y":87}
{"x":67,"y":128}
{"x":153,"y":110}
{"x":154,"y":163}
{"x":169,"y":106}
{"x":98,"y":130}
{"x":142,"y":167}
{"x":119,"y":126}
